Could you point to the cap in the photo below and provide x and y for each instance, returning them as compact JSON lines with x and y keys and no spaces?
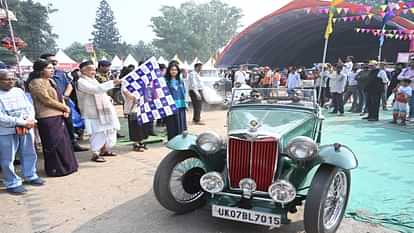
{"x":85,"y":63}
{"x":104,"y":63}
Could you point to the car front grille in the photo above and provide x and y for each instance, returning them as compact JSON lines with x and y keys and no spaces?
{"x":255,"y":159}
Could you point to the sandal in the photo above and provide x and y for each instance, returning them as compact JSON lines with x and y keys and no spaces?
{"x":137,"y":147}
{"x":98,"y":158}
{"x":143,"y":146}
{"x":109,"y":154}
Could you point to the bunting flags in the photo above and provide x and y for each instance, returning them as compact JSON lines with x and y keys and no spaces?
{"x":389,"y":34}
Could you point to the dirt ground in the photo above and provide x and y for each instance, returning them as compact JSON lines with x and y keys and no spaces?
{"x":103,"y":198}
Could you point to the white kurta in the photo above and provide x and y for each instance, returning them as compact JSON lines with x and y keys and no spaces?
{"x":100,"y":134}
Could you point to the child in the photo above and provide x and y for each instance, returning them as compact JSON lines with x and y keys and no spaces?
{"x":402,"y":95}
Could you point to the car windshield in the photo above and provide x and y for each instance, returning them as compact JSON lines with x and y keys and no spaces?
{"x":272,"y":96}
{"x":276,"y":120}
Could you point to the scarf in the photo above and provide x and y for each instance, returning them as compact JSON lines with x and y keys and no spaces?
{"x":103,"y":106}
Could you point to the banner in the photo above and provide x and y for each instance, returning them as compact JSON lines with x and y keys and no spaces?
{"x":154,"y":98}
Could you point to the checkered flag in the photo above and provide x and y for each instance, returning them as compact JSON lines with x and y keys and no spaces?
{"x":154,"y":99}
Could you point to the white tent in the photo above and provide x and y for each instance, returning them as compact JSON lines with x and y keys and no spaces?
{"x":186,"y":66}
{"x":130,"y":60}
{"x":25,"y":62}
{"x":209,"y":65}
{"x":65,"y":62}
{"x":116,"y":63}
{"x":176,"y":58}
{"x":162,"y":60}
{"x":196,"y":60}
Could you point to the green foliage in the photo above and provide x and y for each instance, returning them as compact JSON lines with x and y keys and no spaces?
{"x":7,"y":57}
{"x":32,"y":26}
{"x":195,"y":30}
{"x":106,"y":35}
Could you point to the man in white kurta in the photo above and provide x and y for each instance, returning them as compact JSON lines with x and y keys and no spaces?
{"x":101,"y":120}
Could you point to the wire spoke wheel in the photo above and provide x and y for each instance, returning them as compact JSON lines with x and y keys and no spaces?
{"x":184,"y":181}
{"x":335,"y":200}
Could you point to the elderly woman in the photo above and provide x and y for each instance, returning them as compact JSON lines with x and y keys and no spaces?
{"x":50,"y":112}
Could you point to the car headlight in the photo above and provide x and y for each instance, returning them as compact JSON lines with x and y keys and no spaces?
{"x":302,"y":148}
{"x":209,"y":142}
{"x":212,"y":182}
{"x":282,"y":192}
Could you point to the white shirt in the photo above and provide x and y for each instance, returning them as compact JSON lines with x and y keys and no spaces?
{"x":407,"y":73}
{"x":241,"y":77}
{"x":293,"y":80}
{"x":348,"y":66}
{"x":337,"y":82}
{"x":406,"y":90}
{"x":194,"y":82}
{"x":352,"y":78}
{"x":382,"y":74}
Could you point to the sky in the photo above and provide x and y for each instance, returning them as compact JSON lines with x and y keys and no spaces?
{"x":75,"y":18}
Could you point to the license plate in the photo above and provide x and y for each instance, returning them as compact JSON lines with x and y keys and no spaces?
{"x":248,"y":216}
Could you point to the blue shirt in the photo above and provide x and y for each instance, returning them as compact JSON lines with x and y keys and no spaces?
{"x":61,"y":81}
{"x":177,"y":90}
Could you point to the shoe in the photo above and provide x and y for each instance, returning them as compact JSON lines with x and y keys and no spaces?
{"x":35,"y":182}
{"x":362,"y":113}
{"x":198,"y":123}
{"x":365,"y":118}
{"x":19,"y":190}
{"x":153,"y":134}
{"x":341,"y":114}
{"x":333,"y":112}
{"x":79,"y":148}
{"x":393,"y":122}
{"x":372,"y":119}
{"x":119,"y":135}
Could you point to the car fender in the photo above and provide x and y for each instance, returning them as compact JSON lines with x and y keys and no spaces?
{"x":182,"y":142}
{"x":338,"y":155}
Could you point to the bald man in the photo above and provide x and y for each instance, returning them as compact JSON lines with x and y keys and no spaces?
{"x":17,"y":119}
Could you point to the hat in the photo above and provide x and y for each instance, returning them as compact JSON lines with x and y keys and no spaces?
{"x":85,"y":63}
{"x":104,"y":63}
{"x":373,"y":63}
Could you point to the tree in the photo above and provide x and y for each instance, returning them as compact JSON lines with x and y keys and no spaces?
{"x":32,"y":26}
{"x":106,"y":35}
{"x":195,"y":30}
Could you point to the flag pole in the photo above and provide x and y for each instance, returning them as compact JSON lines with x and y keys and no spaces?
{"x":325,"y":52}
{"x":16,"y":53}
{"x":381,"y":44}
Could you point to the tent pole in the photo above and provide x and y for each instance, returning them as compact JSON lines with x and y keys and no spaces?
{"x":4,"y":2}
{"x":325,"y":51}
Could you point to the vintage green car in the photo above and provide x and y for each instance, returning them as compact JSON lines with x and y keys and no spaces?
{"x":270,"y":162}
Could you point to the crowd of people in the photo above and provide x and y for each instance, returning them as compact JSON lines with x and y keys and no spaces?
{"x":368,"y":86}
{"x":42,"y":108}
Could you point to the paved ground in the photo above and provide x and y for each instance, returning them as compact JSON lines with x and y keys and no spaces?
{"x":117,"y":197}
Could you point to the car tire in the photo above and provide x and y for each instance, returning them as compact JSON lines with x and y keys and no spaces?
{"x":162,"y":182}
{"x":318,"y":194}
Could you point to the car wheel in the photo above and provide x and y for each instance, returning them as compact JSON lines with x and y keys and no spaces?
{"x":327,"y":200}
{"x":177,"y":182}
